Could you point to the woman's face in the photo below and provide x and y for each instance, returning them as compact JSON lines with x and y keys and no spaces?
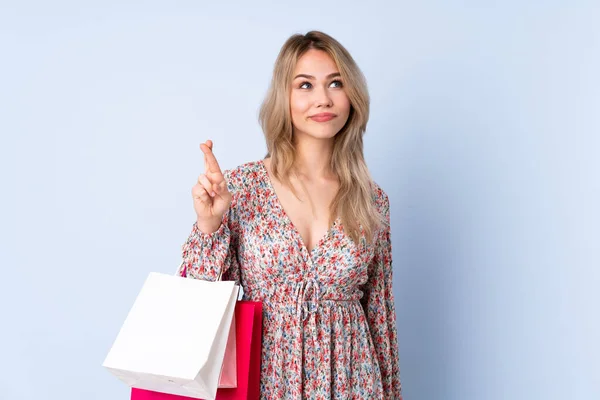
{"x":317,"y":89}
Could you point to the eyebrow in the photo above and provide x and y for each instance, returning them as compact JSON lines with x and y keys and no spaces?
{"x":312,"y":77}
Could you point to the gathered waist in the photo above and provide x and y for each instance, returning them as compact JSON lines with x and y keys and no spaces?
{"x":304,"y":297}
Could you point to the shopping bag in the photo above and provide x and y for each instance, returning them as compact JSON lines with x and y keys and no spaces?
{"x":228,"y":378}
{"x":174,"y":337}
{"x":248,"y":321}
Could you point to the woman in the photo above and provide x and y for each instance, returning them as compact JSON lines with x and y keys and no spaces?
{"x":306,"y":231}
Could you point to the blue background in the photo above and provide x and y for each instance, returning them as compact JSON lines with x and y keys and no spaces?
{"x":484,"y":132}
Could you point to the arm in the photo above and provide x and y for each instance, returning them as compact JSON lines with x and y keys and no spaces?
{"x":206,"y":255}
{"x":378,"y":304}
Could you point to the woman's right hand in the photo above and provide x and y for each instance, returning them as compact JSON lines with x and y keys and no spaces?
{"x":211,"y":195}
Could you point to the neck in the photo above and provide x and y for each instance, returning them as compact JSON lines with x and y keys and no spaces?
{"x":313,"y":157}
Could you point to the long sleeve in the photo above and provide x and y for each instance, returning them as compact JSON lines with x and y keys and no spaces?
{"x":378,"y":304}
{"x":204,"y":255}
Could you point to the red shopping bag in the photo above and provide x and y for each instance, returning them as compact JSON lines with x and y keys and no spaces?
{"x":248,"y":324}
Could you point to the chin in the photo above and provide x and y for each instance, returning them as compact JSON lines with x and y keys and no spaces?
{"x":321,"y":133}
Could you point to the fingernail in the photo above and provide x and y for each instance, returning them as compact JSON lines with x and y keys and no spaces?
{"x":212,"y":194}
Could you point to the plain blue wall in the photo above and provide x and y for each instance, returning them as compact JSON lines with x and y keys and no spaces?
{"x":484,"y":132}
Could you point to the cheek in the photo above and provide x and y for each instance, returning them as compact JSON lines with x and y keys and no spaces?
{"x":343,"y":103}
{"x":299,"y":104}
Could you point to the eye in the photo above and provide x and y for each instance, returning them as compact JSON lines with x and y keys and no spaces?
{"x":339,"y":84}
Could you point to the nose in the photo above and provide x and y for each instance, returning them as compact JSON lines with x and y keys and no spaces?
{"x":322,"y":97}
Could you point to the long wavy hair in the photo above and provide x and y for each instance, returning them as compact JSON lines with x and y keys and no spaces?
{"x":354,"y":202}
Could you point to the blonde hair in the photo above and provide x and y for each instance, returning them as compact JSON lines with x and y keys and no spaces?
{"x":354,"y":202}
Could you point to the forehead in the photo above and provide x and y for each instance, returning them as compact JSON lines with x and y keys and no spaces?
{"x":316,"y":63}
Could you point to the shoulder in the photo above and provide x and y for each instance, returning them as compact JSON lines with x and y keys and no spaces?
{"x":380,"y":199}
{"x":243,"y":177}
{"x":382,"y":205}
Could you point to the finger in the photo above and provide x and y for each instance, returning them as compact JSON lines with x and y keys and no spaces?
{"x":206,"y":184}
{"x":209,"y":144}
{"x":220,"y":187}
{"x":205,"y":161}
{"x":210,"y":159}
{"x":199,"y":192}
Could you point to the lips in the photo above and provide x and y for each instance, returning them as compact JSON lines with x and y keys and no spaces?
{"x":323,"y":117}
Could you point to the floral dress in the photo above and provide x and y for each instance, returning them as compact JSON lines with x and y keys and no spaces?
{"x":329,"y":323}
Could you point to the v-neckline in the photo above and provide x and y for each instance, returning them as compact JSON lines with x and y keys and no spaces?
{"x":286,"y":216}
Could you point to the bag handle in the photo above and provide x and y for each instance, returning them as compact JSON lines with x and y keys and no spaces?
{"x":241,"y":290}
{"x":181,"y":264}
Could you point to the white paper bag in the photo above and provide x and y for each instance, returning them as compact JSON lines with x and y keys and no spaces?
{"x":173,"y":340}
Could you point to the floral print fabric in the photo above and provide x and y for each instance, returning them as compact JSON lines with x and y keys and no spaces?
{"x":329,"y":323}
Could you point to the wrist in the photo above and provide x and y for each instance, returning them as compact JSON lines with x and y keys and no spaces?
{"x":208,"y":226}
